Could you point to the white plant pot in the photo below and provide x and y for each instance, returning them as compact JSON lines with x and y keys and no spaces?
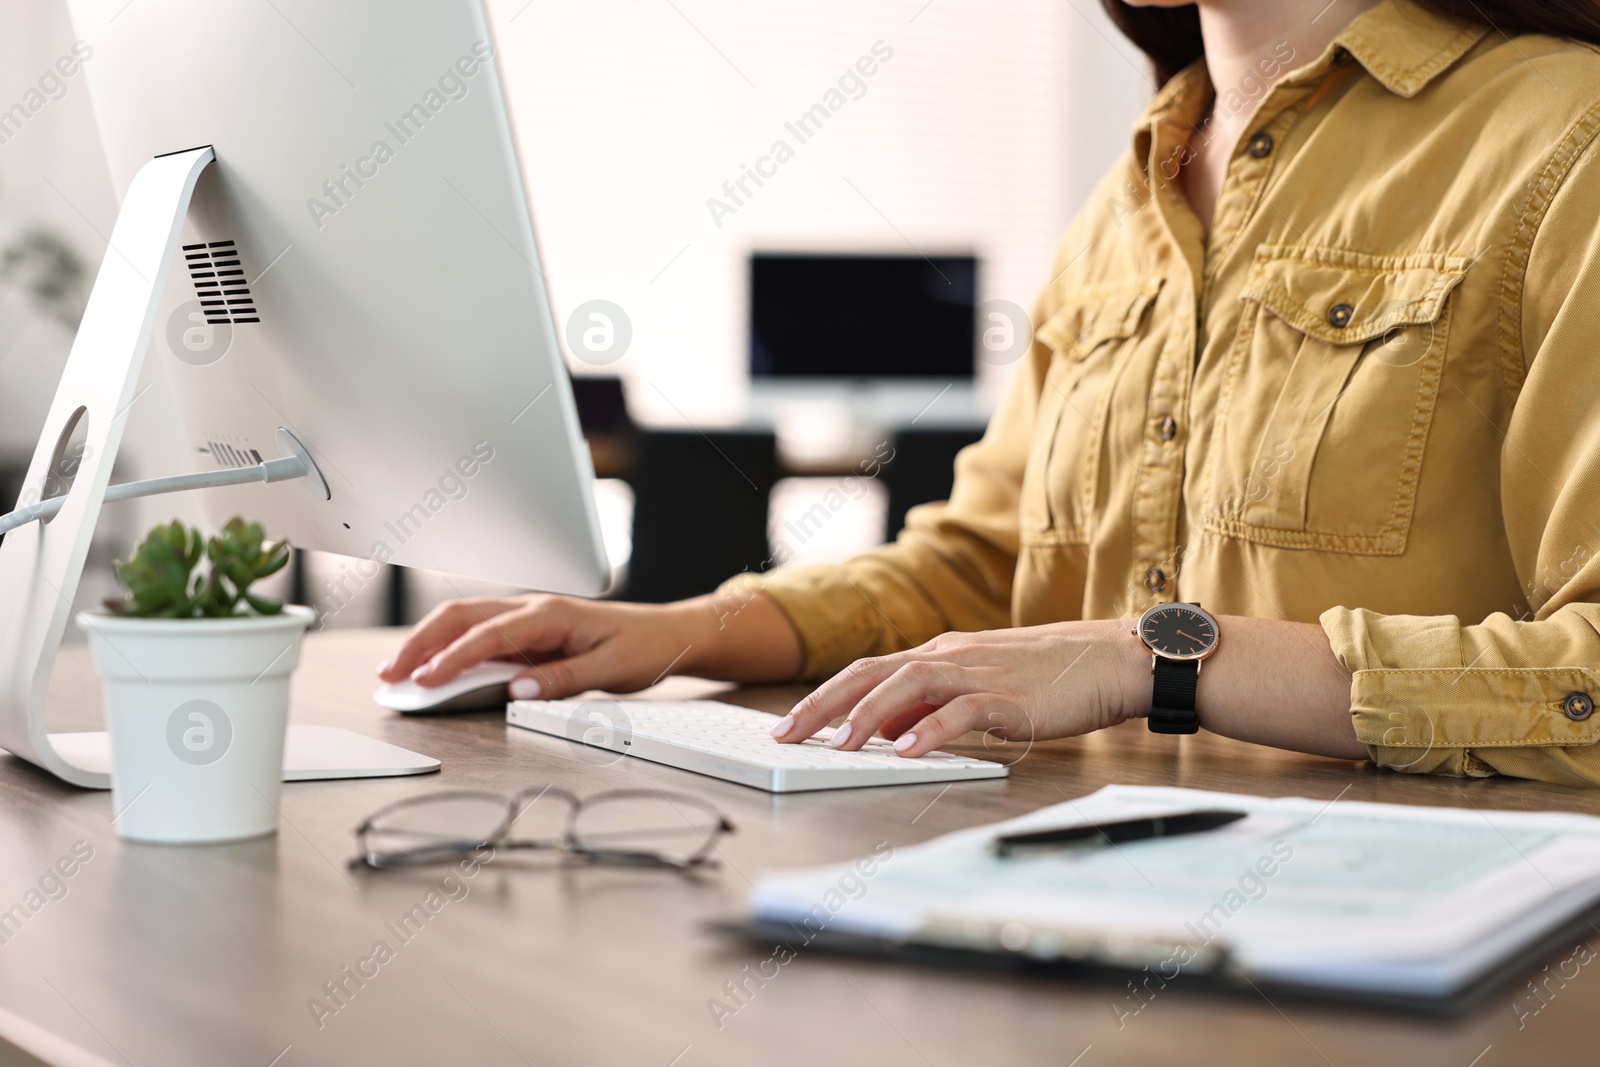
{"x":197,"y":710}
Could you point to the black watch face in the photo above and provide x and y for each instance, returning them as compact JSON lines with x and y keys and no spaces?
{"x":1178,"y":631}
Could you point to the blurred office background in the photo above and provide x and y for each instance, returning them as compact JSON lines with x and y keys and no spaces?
{"x":936,"y":149}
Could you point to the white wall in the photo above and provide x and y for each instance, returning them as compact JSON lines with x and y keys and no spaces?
{"x":57,"y":147}
{"x":1109,"y":84}
{"x":983,"y":131}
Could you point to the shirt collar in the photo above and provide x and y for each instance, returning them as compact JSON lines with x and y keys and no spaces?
{"x":1401,"y":44}
{"x":1405,"y":46}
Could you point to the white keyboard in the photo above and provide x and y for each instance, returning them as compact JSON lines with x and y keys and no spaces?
{"x":735,"y":744}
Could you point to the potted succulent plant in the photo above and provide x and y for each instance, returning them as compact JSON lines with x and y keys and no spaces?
{"x":196,"y":669}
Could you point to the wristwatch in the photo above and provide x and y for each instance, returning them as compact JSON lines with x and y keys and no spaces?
{"x":1179,"y":637}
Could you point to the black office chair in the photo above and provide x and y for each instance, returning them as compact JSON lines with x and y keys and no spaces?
{"x":699,"y":510}
{"x":602,"y":404}
{"x":923,"y":470}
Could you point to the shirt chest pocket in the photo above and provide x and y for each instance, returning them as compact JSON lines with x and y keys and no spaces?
{"x":1089,"y":338}
{"x":1330,"y":391}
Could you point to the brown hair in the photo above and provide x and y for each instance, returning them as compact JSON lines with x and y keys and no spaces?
{"x":1170,"y":36}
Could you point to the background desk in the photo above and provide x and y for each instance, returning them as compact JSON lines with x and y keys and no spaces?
{"x":162,"y":956}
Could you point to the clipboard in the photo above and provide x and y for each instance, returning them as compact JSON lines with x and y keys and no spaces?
{"x":1221,"y":980}
{"x":1464,"y":920}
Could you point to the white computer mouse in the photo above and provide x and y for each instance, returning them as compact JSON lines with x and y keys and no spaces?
{"x":476,"y":688}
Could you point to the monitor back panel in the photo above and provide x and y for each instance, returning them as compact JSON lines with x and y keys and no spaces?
{"x":366,"y":230}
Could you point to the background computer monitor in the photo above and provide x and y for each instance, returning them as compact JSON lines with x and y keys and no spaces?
{"x":862,"y":316}
{"x":389,"y":305}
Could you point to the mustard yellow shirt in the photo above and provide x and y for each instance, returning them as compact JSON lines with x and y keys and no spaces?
{"x":1371,"y":398}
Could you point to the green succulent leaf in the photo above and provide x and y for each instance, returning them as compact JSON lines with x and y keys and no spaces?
{"x":163,"y":581}
{"x":264,"y":605}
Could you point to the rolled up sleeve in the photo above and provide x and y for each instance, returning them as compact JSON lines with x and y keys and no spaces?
{"x":1514,"y":695}
{"x":1431,"y":695}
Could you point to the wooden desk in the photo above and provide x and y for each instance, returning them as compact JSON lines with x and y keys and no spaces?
{"x":168,"y":956}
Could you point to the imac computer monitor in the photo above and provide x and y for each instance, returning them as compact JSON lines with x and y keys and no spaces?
{"x":862,"y":316}
{"x":357,"y":266}
{"x":323,"y":243}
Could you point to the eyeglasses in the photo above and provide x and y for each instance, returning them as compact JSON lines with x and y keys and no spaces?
{"x":626,"y":827}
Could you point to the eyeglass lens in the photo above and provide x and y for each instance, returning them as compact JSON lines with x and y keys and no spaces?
{"x":678,"y":828}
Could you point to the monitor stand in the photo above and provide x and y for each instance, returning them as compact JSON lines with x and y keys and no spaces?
{"x":42,"y":561}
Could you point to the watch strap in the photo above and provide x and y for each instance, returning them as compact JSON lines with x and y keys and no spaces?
{"x":1172,"y":707}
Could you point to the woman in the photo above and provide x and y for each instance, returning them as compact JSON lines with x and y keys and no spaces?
{"x":1318,"y":354}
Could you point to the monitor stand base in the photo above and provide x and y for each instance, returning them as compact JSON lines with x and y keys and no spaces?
{"x":313,"y":753}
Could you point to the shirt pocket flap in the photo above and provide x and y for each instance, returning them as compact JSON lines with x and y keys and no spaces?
{"x":1091,"y":318}
{"x":1348,"y":298}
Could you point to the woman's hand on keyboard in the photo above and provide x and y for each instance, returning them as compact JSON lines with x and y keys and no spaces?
{"x":572,"y":645}
{"x":1024,"y":684}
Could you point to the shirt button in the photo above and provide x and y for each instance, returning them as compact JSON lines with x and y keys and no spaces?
{"x":1155,"y":580}
{"x":1261,"y":145}
{"x":1339,"y":315}
{"x":1169,"y":428}
{"x":1578,"y":706}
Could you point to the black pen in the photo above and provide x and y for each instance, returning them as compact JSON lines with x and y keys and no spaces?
{"x":1115,"y":833}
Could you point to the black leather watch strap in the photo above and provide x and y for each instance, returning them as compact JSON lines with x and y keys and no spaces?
{"x":1172,"y":710}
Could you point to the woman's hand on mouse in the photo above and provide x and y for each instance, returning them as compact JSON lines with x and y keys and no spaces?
{"x":572,"y":645}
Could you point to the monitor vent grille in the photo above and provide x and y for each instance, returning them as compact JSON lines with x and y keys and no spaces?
{"x":227,"y":455}
{"x":219,"y":283}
